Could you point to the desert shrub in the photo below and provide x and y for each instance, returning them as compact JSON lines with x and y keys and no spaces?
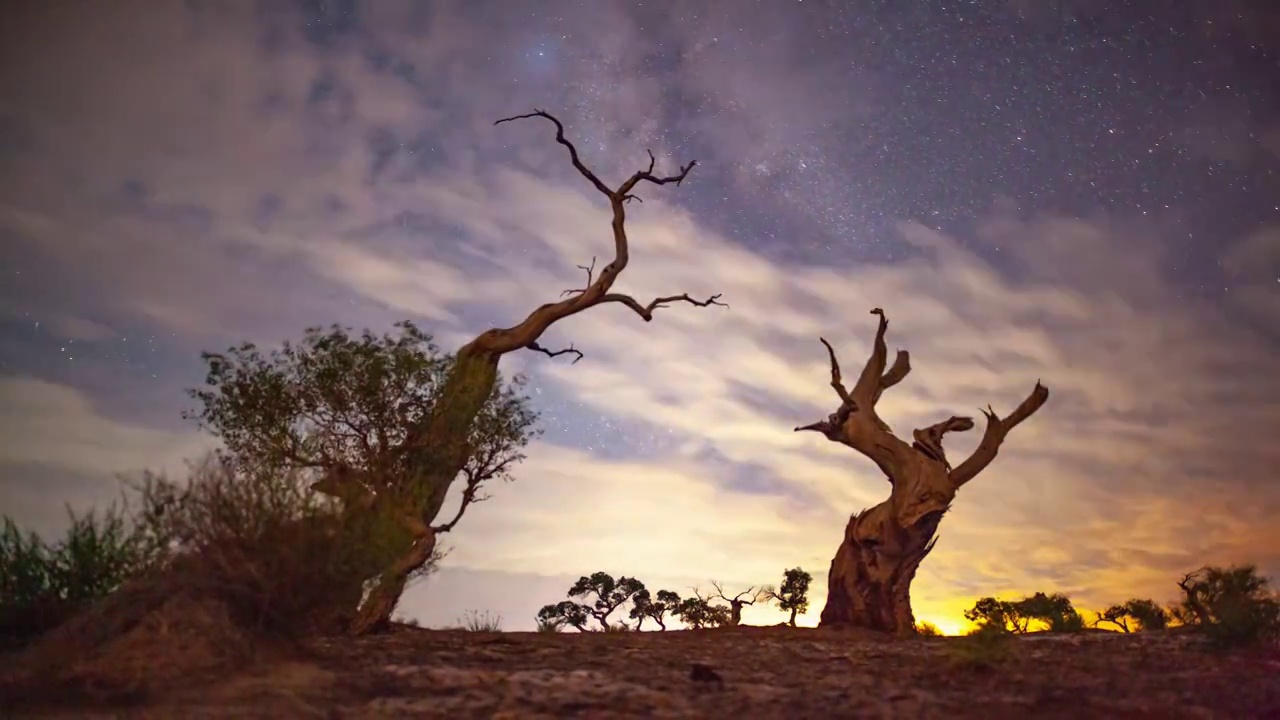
{"x":475,"y":621}
{"x":244,"y":561}
{"x":1233,"y":606}
{"x":1148,"y":614}
{"x":927,"y":629}
{"x":985,"y":648}
{"x":43,"y":584}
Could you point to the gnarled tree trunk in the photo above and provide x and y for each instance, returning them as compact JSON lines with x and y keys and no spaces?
{"x":869,"y":584}
{"x":439,"y":451}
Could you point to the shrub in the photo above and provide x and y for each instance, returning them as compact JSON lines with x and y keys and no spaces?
{"x":475,"y":621}
{"x":927,"y":629}
{"x":42,"y":585}
{"x":1232,"y":606}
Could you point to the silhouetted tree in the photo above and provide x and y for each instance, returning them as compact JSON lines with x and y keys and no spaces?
{"x":869,"y":584}
{"x":1147,"y":613}
{"x":1233,"y":605}
{"x":644,"y":606}
{"x":438,"y":446}
{"x":344,"y":412}
{"x":609,"y":594}
{"x":697,"y":612}
{"x":793,"y":595}
{"x":992,"y":614}
{"x":1054,"y":610}
{"x":750,"y":596}
{"x":565,"y":612}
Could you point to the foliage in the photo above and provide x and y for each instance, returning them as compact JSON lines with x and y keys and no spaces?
{"x":793,"y":595}
{"x":1016,"y":615}
{"x":564,"y":613}
{"x":550,"y":624}
{"x":927,"y":629}
{"x":698,"y":613}
{"x":1147,"y":613}
{"x":337,"y":410}
{"x":475,"y":621}
{"x":42,"y":584}
{"x":1233,"y":606}
{"x":645,"y":607}
{"x":986,"y":648}
{"x":262,"y":541}
{"x":339,"y":401}
{"x":609,"y":594}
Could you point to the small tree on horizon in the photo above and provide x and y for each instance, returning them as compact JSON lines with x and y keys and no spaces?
{"x":1148,"y":614}
{"x":644,"y":606}
{"x":750,"y":596}
{"x":793,"y":594}
{"x":698,"y":613}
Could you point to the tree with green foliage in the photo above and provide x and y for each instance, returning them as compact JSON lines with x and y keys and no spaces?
{"x":645,"y":607}
{"x":793,"y":595}
{"x":342,"y":412}
{"x":992,"y":614}
{"x":697,"y":612}
{"x":1148,"y":614}
{"x":1232,"y":605}
{"x":438,"y":445}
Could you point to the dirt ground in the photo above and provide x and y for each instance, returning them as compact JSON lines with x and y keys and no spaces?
{"x":775,"y":672}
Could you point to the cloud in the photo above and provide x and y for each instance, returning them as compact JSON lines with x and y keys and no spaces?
{"x":241,"y":181}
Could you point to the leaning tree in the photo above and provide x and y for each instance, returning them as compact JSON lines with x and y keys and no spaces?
{"x":437,"y":449}
{"x":869,"y":584}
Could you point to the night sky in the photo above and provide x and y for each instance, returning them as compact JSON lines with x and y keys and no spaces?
{"x":1083,"y":192}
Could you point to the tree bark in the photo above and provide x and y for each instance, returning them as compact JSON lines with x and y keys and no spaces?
{"x":869,"y":584}
{"x":375,"y":612}
{"x":793,"y":616}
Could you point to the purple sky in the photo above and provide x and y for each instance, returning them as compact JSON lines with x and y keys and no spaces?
{"x":1065,"y":191}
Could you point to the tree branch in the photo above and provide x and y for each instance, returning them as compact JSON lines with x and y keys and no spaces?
{"x":469,"y":496}
{"x":499,"y":341}
{"x":929,"y":440}
{"x":646,"y":311}
{"x":997,"y":430}
{"x":837,"y":382}
{"x":868,"y":388}
{"x":591,"y":271}
{"x":556,"y":353}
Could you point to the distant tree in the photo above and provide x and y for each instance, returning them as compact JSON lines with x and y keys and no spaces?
{"x":750,"y":596}
{"x":343,"y":412}
{"x":1055,"y":610}
{"x":697,"y":612}
{"x":644,"y":606}
{"x":793,"y":595}
{"x":566,"y":612}
{"x":609,"y":594}
{"x":1233,"y":605}
{"x":927,"y":629}
{"x":1147,"y":613}
{"x":992,"y":614}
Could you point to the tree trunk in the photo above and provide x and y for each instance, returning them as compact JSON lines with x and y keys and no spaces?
{"x":793,"y":616}
{"x":375,"y":613}
{"x":869,"y":585}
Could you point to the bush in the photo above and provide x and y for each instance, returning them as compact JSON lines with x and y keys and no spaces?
{"x":480,"y":622}
{"x":986,"y":648}
{"x":42,"y":585}
{"x":1233,"y":606}
{"x":237,"y":562}
{"x":927,"y":629}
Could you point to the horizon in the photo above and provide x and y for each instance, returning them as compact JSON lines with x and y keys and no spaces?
{"x":1091,"y":200}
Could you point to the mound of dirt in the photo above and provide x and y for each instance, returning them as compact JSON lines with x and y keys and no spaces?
{"x":138,"y":643}
{"x":763,"y":672}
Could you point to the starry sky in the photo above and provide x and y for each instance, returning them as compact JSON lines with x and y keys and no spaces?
{"x":1082,"y":192}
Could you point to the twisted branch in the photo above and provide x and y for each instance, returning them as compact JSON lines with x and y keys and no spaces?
{"x":997,"y":429}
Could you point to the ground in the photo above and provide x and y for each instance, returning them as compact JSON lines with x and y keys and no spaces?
{"x":774,"y":672}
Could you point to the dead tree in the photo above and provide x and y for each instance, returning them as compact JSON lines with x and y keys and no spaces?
{"x":870,"y":579}
{"x":737,"y":602}
{"x":437,"y":451}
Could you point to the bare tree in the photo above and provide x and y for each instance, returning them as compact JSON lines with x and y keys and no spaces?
{"x":870,"y":579}
{"x":438,"y":449}
{"x":750,"y":596}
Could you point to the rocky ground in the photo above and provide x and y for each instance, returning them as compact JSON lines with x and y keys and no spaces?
{"x":764,"y":672}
